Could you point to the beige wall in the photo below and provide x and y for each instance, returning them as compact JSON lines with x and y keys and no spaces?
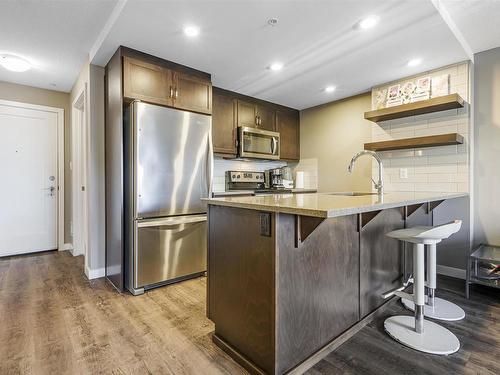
{"x":329,"y":137}
{"x":487,"y":147}
{"x":57,"y":99}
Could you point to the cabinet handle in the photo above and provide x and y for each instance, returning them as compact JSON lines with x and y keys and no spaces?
{"x":256,"y":120}
{"x":171,"y":91}
{"x":176,"y":93}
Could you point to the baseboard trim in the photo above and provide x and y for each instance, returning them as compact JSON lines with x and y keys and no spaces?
{"x":66,"y":246}
{"x":451,"y":271}
{"x":94,"y":273}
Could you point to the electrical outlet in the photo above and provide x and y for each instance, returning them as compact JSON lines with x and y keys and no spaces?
{"x":403,"y":173}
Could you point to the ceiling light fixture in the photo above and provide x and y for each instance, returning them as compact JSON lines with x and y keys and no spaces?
{"x":414,"y":62}
{"x":276,"y":66}
{"x":273,"y":21}
{"x":14,"y":63}
{"x":191,"y":31}
{"x":329,"y":89}
{"x":368,"y":22}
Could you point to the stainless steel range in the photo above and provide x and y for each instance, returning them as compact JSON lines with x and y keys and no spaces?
{"x":258,"y":182}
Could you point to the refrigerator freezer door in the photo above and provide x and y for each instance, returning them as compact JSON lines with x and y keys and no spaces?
{"x":173,"y":161}
{"x":169,"y":248}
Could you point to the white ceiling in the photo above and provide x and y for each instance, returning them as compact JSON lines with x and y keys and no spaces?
{"x":54,"y":35}
{"x":315,"y":40}
{"x":477,"y":20}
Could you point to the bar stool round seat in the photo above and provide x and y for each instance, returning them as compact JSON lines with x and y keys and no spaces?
{"x":414,"y":331}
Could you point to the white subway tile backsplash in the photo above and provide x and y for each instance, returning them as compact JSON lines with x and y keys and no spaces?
{"x":442,"y":168}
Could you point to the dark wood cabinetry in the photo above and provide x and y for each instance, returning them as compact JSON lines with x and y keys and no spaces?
{"x":224,"y":127}
{"x":231,"y":110}
{"x":287,"y":124}
{"x":380,"y":257}
{"x":149,"y":80}
{"x":247,"y":115}
{"x":192,"y":93}
{"x":265,"y":117}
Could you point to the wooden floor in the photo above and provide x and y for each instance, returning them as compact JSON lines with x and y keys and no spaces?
{"x":54,"y":321}
{"x":371,"y":351}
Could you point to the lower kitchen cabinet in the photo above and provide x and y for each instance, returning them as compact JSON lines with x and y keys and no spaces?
{"x":381,"y":267}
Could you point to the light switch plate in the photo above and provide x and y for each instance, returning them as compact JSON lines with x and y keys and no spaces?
{"x":403,"y":173}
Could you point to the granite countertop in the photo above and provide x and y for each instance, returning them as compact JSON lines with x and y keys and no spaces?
{"x":329,"y":204}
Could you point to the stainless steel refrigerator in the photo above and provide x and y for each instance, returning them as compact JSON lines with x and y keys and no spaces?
{"x":168,"y":162}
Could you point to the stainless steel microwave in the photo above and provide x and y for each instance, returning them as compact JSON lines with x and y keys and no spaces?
{"x":257,"y":143}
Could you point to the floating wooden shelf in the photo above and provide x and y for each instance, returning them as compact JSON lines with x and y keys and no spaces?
{"x":441,"y":103}
{"x":417,"y":142}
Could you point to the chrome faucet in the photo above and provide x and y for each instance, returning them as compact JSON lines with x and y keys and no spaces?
{"x":378,"y":185}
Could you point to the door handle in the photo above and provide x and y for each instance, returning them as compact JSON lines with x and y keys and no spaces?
{"x":176,"y":95}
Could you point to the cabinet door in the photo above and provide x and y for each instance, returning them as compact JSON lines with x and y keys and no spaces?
{"x":380,"y":257}
{"x":266,"y":117}
{"x":192,"y":93}
{"x":145,"y":81}
{"x":224,"y":124}
{"x":287,"y":124}
{"x":246,"y":114}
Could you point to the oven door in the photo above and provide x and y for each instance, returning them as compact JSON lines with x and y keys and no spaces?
{"x":259,"y":144}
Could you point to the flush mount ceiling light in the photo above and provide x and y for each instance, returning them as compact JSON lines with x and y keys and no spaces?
{"x":277,"y":66}
{"x":14,"y":63}
{"x":191,"y":31}
{"x":414,"y":62}
{"x":367,"y":22}
{"x":329,"y":89}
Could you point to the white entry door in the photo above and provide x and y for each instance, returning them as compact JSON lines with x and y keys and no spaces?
{"x":29,"y":185}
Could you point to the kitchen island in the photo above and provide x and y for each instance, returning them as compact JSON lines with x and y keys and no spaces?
{"x":290,"y":273}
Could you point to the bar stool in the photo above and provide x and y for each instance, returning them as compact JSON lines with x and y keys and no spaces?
{"x":435,"y":308}
{"x":416,"y":332}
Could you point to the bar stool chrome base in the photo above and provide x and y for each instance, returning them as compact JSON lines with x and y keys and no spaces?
{"x":442,"y":309}
{"x":434,"y":339}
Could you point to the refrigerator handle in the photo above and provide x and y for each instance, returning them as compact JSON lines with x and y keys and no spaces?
{"x":210,"y":162}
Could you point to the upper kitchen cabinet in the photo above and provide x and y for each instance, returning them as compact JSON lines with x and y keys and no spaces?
{"x":146,"y":81}
{"x":287,"y":124}
{"x":231,"y":110}
{"x":224,"y":126}
{"x":163,"y":82}
{"x":254,"y":115}
{"x":247,"y":115}
{"x":265,"y":117}
{"x":192,"y":93}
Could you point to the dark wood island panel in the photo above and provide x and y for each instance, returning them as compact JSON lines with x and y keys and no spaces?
{"x":317,"y":287}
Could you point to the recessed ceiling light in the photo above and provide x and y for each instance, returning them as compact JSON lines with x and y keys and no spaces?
{"x":368,"y":22}
{"x":14,"y":63}
{"x":276,"y":66}
{"x":329,"y":89}
{"x":414,"y":62}
{"x":273,"y":21}
{"x":191,"y":31}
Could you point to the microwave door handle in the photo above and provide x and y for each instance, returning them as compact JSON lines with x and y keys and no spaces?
{"x":274,"y":144}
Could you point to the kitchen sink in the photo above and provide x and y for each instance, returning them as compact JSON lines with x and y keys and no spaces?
{"x":353,"y":193}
